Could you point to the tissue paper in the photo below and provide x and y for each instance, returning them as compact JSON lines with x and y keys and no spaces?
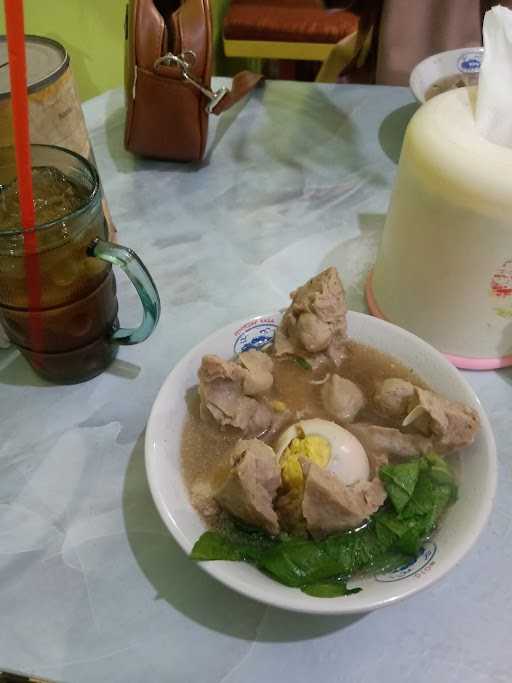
{"x":494,"y":101}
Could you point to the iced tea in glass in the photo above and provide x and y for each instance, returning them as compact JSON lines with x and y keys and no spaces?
{"x":77,"y":307}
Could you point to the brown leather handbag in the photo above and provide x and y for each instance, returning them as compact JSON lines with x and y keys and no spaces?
{"x":168,"y":69}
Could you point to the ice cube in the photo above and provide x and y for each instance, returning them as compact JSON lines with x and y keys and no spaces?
{"x":55,"y":196}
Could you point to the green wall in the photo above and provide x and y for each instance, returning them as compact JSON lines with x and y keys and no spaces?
{"x":93,"y":33}
{"x":91,"y":30}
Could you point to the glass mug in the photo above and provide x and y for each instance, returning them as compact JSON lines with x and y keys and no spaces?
{"x":77,"y":305}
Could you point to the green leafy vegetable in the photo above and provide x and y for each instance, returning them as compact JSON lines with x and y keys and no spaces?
{"x":389,"y":561}
{"x":441,"y":473}
{"x":298,"y":562}
{"x":304,"y":364}
{"x":419,"y":492}
{"x":400,"y":482}
{"x":407,"y":534}
{"x":421,"y":503}
{"x":232,"y":544}
{"x":414,"y":521}
{"x":213,"y":545}
{"x":334,"y":588}
{"x":439,"y":468}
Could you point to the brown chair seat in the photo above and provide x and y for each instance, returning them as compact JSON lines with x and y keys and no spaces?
{"x":281,"y":3}
{"x":259,"y":21}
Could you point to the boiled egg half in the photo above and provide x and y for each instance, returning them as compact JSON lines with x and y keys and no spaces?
{"x":325,"y":443}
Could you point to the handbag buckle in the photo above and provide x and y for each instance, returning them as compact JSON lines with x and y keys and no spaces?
{"x":185,"y":61}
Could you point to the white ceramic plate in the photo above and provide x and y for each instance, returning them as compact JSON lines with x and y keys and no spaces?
{"x":451,"y":63}
{"x":459,"y":531}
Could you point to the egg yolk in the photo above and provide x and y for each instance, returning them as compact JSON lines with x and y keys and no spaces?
{"x":313,"y":447}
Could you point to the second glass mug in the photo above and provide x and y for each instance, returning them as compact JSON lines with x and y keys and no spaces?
{"x":78,"y":307}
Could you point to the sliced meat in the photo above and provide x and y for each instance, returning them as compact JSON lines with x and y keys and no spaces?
{"x":314,"y":333}
{"x":376,"y":460}
{"x":251,"y":485}
{"x":374,"y":494}
{"x":214,"y":367}
{"x":392,"y":397}
{"x":391,"y":441}
{"x":315,"y":322}
{"x":258,"y":377}
{"x":289,"y":510}
{"x":221,"y":389}
{"x":280,"y":420}
{"x":342,"y":398}
{"x":283,"y":345}
{"x":329,"y":505}
{"x":447,"y":424}
{"x":453,"y":425}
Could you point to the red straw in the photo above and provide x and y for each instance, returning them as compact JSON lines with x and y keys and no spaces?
{"x":19,"y":93}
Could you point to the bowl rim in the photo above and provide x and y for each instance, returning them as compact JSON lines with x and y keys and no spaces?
{"x":417,"y":67}
{"x":292,"y":599}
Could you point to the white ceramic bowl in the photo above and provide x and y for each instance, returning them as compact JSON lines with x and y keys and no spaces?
{"x":451,"y":63}
{"x":459,"y":531}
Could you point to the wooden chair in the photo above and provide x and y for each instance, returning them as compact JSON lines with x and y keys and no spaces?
{"x":295,"y":30}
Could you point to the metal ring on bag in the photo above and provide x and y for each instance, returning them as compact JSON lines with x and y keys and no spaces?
{"x":185,"y":61}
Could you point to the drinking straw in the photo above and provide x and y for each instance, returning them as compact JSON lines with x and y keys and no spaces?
{"x":19,"y":100}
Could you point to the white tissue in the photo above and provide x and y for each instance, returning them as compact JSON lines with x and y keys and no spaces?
{"x":494,"y":101}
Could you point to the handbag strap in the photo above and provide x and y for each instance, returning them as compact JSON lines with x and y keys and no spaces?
{"x":218,"y":100}
{"x":243,"y":83}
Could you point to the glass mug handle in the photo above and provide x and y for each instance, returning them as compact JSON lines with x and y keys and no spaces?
{"x":142,"y":281}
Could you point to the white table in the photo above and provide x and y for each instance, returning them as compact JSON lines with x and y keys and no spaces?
{"x":92,"y":587}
